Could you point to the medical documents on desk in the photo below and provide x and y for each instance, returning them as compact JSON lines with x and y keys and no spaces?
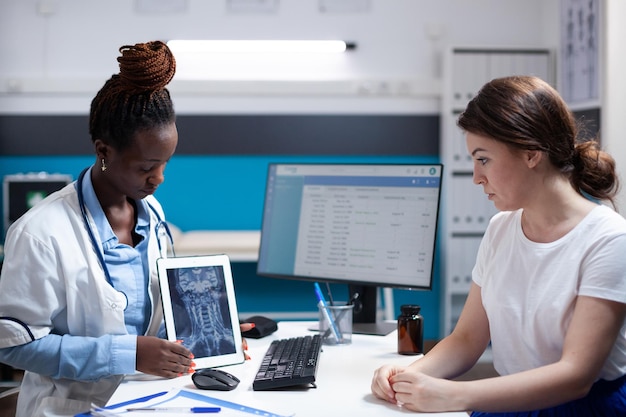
{"x":171,"y":403}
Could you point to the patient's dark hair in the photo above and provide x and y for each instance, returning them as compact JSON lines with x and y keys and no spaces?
{"x":135,"y":99}
{"x":526,"y":113}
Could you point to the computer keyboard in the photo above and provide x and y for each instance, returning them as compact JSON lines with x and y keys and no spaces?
{"x":289,"y":362}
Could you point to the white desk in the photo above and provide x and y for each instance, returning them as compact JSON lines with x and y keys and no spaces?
{"x":343,"y":379}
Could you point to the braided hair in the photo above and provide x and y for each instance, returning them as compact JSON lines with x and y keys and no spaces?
{"x":526,"y":113}
{"x":135,"y":99}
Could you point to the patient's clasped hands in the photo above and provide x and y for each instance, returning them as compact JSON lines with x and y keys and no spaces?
{"x":414,"y":390}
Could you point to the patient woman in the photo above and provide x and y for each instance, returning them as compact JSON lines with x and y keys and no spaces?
{"x":549,"y":283}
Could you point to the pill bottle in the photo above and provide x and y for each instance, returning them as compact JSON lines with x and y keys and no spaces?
{"x":410,"y":330}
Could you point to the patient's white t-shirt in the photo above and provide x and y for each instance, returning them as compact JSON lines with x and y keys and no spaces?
{"x":529,"y":289}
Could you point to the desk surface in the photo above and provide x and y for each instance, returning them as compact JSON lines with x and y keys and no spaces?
{"x":343,"y":379}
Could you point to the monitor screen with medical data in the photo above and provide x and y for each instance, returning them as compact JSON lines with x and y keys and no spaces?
{"x":372,"y":224}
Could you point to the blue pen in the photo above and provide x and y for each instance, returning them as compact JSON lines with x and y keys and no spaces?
{"x":178,"y":409}
{"x":331,"y":321}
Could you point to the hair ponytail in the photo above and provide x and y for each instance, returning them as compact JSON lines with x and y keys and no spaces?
{"x":136,"y":98}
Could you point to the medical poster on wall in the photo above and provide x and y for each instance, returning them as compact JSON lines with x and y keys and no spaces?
{"x":580,"y":45}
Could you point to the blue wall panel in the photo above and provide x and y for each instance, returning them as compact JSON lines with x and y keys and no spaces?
{"x":226,"y":193}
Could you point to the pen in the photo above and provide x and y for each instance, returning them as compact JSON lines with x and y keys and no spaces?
{"x":326,"y":313}
{"x":330,"y":294}
{"x":354,"y":297}
{"x":178,"y":409}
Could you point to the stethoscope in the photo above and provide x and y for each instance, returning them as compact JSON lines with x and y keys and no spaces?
{"x":162,"y":229}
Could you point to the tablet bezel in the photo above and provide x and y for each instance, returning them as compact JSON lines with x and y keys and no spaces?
{"x":166,"y":264}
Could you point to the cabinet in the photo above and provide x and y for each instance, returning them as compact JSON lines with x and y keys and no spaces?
{"x":466,"y":211}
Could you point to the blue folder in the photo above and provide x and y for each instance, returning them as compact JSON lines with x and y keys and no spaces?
{"x":125,"y":403}
{"x":195,"y":396}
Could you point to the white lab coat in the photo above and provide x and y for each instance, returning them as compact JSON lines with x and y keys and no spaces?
{"x":52,"y":279}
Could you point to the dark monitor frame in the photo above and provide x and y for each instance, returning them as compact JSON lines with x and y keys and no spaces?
{"x":363,"y":293}
{"x":17,"y":187}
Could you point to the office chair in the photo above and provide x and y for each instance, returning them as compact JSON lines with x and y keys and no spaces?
{"x":8,"y":402}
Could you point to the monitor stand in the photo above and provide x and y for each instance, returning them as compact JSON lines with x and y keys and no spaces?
{"x":376,"y":329}
{"x":365,"y":299}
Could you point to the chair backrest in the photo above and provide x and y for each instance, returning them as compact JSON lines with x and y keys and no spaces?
{"x":8,"y":402}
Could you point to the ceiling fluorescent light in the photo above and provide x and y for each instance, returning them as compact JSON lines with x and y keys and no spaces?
{"x":259,"y":46}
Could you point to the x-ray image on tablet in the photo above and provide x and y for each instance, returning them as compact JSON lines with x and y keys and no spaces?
{"x":200,"y":309}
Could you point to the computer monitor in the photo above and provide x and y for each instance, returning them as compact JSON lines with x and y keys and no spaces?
{"x":23,"y":191}
{"x":364,"y":225}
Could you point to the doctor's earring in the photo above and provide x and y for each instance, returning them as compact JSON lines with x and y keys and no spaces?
{"x":103,"y":165}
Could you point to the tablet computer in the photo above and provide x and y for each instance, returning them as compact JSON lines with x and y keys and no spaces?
{"x":199,"y":308}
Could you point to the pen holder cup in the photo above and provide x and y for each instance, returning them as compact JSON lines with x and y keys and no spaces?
{"x":335,"y":324}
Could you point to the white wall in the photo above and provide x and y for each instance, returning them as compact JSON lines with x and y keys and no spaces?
{"x":54,"y":54}
{"x":613,"y":129}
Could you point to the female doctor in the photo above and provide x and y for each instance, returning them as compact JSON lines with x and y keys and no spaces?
{"x":79,"y":297}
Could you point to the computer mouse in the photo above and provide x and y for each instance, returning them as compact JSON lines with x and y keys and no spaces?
{"x":214,"y":379}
